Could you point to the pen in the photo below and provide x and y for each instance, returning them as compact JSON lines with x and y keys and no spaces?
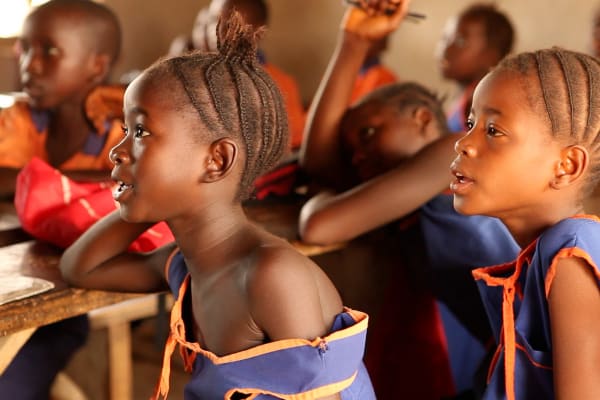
{"x":413,"y":15}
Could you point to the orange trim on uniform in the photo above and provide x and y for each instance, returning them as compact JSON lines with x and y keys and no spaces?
{"x":361,"y":319}
{"x":189,"y":350}
{"x":571,"y":252}
{"x":312,"y":394}
{"x":537,"y":364}
{"x":168,"y":263}
{"x":508,"y":320}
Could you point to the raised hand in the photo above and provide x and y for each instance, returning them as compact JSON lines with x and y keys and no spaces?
{"x":374,"y":19}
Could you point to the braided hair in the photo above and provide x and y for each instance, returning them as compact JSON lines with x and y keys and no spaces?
{"x":405,"y":95}
{"x":566,"y":92}
{"x":233,"y":96}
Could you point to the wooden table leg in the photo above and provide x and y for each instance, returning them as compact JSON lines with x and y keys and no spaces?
{"x":10,"y":346}
{"x":120,"y":363}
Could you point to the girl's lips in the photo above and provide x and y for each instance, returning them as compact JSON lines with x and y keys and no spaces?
{"x":122,"y":191}
{"x":461,"y":183}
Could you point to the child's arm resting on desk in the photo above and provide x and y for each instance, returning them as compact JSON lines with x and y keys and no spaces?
{"x":99,"y":259}
{"x":574,"y":306}
{"x":332,"y":218}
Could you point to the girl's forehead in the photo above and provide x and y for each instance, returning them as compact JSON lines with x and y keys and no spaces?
{"x":501,"y":85}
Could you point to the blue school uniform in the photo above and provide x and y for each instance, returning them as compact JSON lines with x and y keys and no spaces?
{"x":522,"y":366}
{"x":285,"y":369}
{"x":456,"y":244}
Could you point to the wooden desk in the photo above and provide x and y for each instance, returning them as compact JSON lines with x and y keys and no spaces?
{"x":10,"y":227}
{"x":40,"y":260}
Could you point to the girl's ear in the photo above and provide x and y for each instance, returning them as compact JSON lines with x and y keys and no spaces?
{"x":422,"y":116}
{"x":100,"y":67}
{"x":569,"y":170}
{"x":221,"y":159}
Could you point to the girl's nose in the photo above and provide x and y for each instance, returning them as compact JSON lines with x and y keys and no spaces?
{"x":463,"y":146}
{"x":118,"y":155}
{"x":31,"y":62}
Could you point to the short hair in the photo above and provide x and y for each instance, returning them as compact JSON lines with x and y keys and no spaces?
{"x":565,"y":90}
{"x":233,"y":96}
{"x":99,"y":19}
{"x":499,"y":31}
{"x":404,"y":95}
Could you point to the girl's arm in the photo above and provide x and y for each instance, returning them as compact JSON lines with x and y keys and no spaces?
{"x":320,"y":153}
{"x":328,"y":218}
{"x":99,"y":258}
{"x":574,"y":305}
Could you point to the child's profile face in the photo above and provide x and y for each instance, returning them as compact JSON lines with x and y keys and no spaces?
{"x":55,"y":59}
{"x":505,"y":163}
{"x":463,"y":52}
{"x":378,"y":137}
{"x":158,"y":163}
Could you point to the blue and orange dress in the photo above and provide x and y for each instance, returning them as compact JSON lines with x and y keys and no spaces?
{"x":23,"y":132}
{"x":516,"y":299}
{"x":293,"y":369}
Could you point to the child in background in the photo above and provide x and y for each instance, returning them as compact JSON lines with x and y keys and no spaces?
{"x":67,"y":118}
{"x":473,"y":42}
{"x":400,"y":152}
{"x":66,"y":51}
{"x":531,"y":157}
{"x":253,"y":316}
{"x":256,"y":13}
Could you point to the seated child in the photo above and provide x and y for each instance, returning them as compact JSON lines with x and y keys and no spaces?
{"x":399,"y":151}
{"x":473,"y":42}
{"x":66,"y":51}
{"x":253,"y":317}
{"x":530,"y":158}
{"x":66,"y":118}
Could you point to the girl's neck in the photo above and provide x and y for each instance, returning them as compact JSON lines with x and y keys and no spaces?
{"x":214,"y":238}
{"x":527,"y":228}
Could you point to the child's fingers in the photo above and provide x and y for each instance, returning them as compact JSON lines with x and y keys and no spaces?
{"x":375,"y":22}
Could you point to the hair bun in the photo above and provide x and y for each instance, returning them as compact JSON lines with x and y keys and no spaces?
{"x":236,"y":39}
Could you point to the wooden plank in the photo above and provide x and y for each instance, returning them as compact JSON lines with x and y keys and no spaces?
{"x":11,"y":344}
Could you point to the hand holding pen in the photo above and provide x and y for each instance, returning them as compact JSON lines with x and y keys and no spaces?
{"x":383,"y":7}
{"x":374,"y":19}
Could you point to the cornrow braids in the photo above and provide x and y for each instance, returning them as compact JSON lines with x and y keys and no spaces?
{"x":409,"y":94}
{"x":567,"y":93}
{"x":235,"y":97}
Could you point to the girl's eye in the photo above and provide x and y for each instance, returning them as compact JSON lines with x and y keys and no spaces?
{"x":469,"y":124}
{"x":140,"y":131}
{"x":367,"y":132}
{"x":124,"y":129}
{"x":51,"y":51}
{"x":492,"y":131}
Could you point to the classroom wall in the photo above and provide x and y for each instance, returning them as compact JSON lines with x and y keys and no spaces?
{"x":303,"y":33}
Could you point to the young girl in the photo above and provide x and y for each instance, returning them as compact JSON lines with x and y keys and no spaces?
{"x":530,"y":158}
{"x":252,"y":316}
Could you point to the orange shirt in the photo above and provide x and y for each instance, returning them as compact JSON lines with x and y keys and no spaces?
{"x":23,"y":132}
{"x":371,"y":78}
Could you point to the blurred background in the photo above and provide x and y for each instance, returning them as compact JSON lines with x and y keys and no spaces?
{"x":302,"y":34}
